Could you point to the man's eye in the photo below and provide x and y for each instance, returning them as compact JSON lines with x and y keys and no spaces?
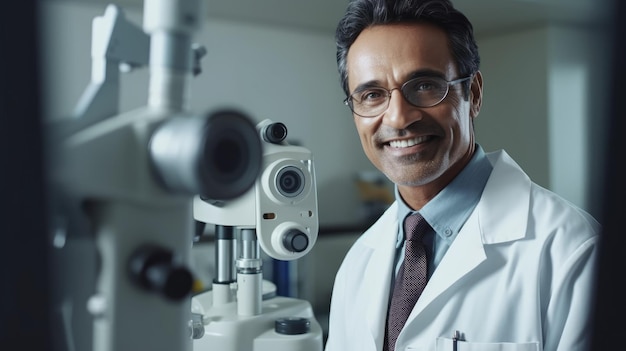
{"x":371,"y":95}
{"x":426,"y":85}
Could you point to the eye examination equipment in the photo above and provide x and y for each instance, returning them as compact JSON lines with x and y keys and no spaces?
{"x":279,"y":216}
{"x":126,"y":181}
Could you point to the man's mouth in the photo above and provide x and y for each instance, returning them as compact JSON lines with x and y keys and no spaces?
{"x":407,"y":142}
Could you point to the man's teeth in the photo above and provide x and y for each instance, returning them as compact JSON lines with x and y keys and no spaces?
{"x":407,"y":143}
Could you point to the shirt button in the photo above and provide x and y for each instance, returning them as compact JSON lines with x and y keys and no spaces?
{"x":447,"y":232}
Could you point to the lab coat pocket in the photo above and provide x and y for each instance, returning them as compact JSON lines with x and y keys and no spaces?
{"x":447,"y":344}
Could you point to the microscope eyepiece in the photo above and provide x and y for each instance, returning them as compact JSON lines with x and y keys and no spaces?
{"x":275,"y":132}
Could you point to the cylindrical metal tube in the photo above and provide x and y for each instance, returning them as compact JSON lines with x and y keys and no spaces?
{"x":249,"y":275}
{"x":224,"y":254}
{"x":249,"y":246}
{"x":170,"y":69}
{"x":171,"y":25}
{"x":249,"y":294}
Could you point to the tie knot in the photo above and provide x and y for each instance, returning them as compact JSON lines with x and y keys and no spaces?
{"x":415,"y":226}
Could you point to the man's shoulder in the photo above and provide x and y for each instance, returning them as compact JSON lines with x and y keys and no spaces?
{"x":552,"y":207}
{"x":543,"y":201}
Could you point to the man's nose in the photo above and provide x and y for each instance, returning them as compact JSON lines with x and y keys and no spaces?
{"x":400,"y":113}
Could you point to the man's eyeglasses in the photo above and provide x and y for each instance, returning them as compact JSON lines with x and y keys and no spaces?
{"x":420,"y":92}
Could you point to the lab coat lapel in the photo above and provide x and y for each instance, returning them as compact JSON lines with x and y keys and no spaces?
{"x":378,"y":272}
{"x":464,"y":255}
{"x":496,"y":219}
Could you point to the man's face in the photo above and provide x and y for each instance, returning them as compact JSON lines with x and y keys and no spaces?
{"x":440,"y":138}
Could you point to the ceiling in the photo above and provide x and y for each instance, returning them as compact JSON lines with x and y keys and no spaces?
{"x":486,"y":15}
{"x":323,"y":15}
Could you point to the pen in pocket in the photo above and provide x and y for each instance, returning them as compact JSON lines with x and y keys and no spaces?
{"x":455,"y":339}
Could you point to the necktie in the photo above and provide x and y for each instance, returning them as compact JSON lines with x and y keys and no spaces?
{"x":411,"y":278}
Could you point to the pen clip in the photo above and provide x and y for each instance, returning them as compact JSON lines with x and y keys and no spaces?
{"x":455,"y":339}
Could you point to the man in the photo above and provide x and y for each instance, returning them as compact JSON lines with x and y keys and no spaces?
{"x":508,"y":265}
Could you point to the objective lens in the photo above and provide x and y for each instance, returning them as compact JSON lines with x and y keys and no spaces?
{"x":290,"y":181}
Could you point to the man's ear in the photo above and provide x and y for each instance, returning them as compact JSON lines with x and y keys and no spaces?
{"x":476,"y":94}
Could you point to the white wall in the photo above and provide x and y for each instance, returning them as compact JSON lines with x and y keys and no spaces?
{"x":515,"y":102}
{"x":267,"y":72}
{"x":573,"y":88}
{"x":538,"y":87}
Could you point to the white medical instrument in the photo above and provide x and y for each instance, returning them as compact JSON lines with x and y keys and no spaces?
{"x":278,"y":215}
{"x":134,"y":183}
{"x":127,"y":180}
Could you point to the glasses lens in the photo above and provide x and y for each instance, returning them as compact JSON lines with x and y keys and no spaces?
{"x":369,"y":102}
{"x":425,"y":91}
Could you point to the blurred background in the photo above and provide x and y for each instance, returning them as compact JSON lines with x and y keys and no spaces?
{"x":546,"y":66}
{"x":276,"y":59}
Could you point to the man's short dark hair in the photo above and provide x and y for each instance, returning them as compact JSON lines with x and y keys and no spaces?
{"x":362,"y":14}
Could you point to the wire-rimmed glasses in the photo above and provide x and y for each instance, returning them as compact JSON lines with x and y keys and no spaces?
{"x":425,"y":91}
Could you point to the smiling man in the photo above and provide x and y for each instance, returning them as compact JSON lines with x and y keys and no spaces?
{"x":496,"y":261}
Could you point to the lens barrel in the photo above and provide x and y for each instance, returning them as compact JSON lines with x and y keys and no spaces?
{"x":217,"y":156}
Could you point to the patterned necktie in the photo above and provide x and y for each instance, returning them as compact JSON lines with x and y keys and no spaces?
{"x":410,"y":281}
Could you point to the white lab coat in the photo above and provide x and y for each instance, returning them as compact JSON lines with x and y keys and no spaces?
{"x":519,"y":276}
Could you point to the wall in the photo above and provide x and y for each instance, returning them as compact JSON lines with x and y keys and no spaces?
{"x":536,"y":104}
{"x":515,"y":102}
{"x":576,"y":86}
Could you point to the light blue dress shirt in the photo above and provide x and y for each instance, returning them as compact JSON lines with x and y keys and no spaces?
{"x":447,"y":211}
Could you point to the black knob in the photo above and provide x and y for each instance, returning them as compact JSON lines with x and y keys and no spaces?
{"x":295,"y":240}
{"x":153,"y":268}
{"x":292,"y":325}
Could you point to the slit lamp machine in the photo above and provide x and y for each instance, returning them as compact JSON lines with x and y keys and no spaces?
{"x":137,"y":183}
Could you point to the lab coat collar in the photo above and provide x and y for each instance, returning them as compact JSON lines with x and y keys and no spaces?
{"x":504,"y":206}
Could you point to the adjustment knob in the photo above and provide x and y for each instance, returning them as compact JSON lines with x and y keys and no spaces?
{"x":292,"y":325}
{"x":154,"y":269}
{"x":295,"y":241}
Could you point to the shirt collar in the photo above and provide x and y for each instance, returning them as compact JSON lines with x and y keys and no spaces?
{"x":447,"y":211}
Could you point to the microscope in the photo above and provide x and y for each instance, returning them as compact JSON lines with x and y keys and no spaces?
{"x":279,"y":216}
{"x":136,"y":183}
{"x":126,"y":181}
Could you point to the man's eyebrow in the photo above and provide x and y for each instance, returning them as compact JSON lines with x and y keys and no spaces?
{"x":426,"y":72}
{"x":367,"y":85}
